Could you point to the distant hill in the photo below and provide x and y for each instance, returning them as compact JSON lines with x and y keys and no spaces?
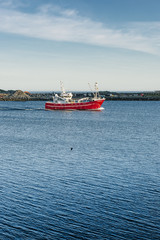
{"x":7,"y":91}
{"x":19,"y":95}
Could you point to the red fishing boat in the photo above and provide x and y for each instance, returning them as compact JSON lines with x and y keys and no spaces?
{"x":64,"y":101}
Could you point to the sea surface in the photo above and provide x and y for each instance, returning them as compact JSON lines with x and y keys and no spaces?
{"x":106,"y":187}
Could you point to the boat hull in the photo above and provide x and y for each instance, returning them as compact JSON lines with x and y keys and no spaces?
{"x":92,"y":105}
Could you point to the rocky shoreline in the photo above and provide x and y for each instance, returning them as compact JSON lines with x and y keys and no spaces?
{"x":18,"y":95}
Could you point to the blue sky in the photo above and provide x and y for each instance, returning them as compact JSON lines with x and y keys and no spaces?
{"x":113,"y":42}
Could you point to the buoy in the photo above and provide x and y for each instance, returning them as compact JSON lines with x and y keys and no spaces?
{"x":71,"y":148}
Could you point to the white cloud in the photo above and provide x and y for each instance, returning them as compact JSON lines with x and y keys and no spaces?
{"x":12,"y":4}
{"x":8,"y":3}
{"x":53,"y":23}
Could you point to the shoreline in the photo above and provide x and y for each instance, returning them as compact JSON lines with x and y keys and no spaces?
{"x":19,"y":95}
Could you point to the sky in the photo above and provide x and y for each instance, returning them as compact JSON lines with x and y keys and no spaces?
{"x":113,"y":42}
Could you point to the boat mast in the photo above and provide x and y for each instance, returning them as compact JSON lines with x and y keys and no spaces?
{"x":96,"y":90}
{"x":62,"y":87}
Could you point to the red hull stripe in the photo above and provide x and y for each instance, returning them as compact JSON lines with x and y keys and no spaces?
{"x":74,"y":106}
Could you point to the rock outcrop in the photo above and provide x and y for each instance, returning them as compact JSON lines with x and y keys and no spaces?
{"x":20,"y":95}
{"x":15,"y":96}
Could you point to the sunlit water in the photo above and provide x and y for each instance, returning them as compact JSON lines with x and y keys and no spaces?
{"x":106,"y":187}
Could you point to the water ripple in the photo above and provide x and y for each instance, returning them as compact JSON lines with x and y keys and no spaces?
{"x":107,"y":187}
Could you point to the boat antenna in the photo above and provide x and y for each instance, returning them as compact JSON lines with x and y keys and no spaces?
{"x":62,"y":87}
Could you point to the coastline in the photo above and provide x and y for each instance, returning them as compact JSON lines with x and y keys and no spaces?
{"x":19,"y":95}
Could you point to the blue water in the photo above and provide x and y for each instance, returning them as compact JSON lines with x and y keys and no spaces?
{"x":107,"y":187}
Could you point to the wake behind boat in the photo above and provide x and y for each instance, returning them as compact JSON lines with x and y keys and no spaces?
{"x":64,"y":101}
